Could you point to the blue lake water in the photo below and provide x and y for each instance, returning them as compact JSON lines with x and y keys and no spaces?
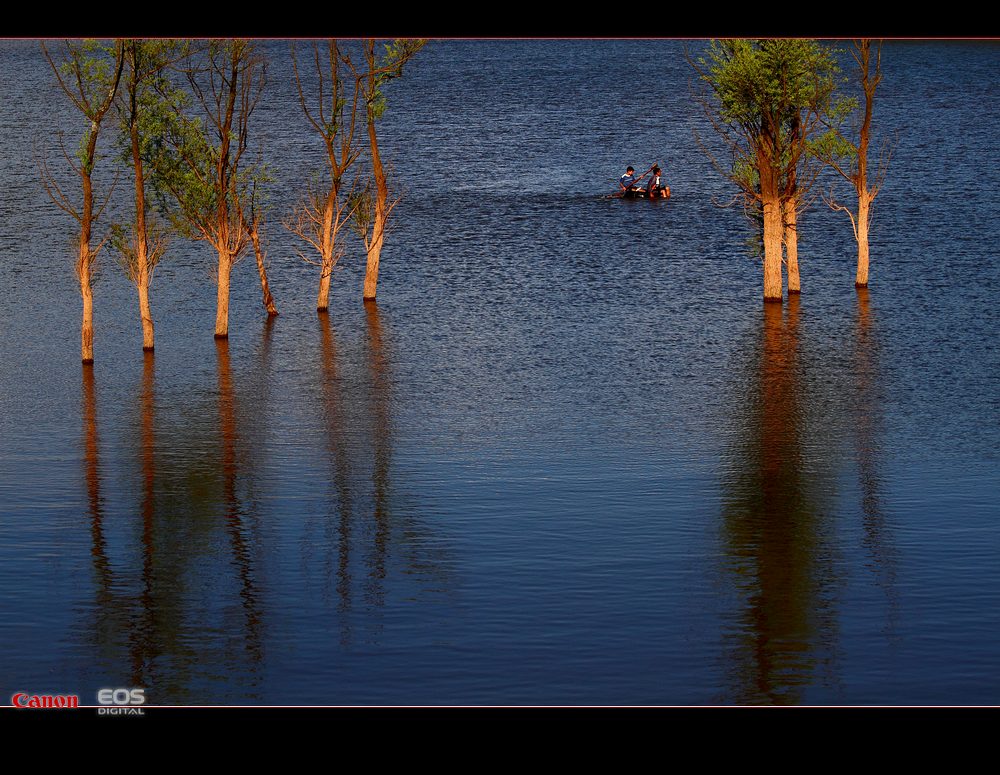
{"x":569,"y":457}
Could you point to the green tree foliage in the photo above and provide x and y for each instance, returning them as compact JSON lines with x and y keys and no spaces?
{"x":385,"y":67}
{"x":200,"y":155}
{"x":147,"y":104}
{"x":756,"y":89}
{"x":88,"y":74}
{"x":203,"y":162}
{"x":765,"y":99}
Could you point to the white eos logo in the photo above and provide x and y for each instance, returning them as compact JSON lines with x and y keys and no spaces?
{"x":120,"y":698}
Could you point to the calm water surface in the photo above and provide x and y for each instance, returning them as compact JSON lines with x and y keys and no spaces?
{"x":569,"y":457}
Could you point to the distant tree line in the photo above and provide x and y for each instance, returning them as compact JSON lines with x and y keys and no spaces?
{"x":182,"y":115}
{"x":780,"y":108}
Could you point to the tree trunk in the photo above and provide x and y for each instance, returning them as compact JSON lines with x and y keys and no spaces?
{"x":142,"y":269}
{"x":83,"y":67}
{"x":85,"y":260}
{"x":792,"y":246}
{"x":145,"y":314}
{"x":773,"y":226}
{"x":329,"y":237}
{"x":790,"y":206}
{"x":142,"y":263}
{"x":262,"y":271}
{"x":222,"y":180}
{"x":772,"y":249}
{"x":864,"y":203}
{"x":87,"y":325}
{"x":374,"y":252}
{"x":381,"y":214}
{"x":323,"y":299}
{"x":222,"y":297}
{"x":869,"y":82}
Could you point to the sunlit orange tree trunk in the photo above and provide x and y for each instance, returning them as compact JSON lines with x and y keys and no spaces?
{"x":374,"y":209}
{"x":801,"y":169}
{"x":795,"y":190}
{"x":330,"y":104}
{"x":790,"y":210}
{"x":850,"y":158}
{"x":770,"y":199}
{"x":89,"y":74}
{"x":253,"y":223}
{"x":380,"y":215}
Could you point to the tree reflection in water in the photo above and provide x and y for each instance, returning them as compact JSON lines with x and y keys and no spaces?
{"x":866,"y":406}
{"x":359,"y":439}
{"x":125,"y":628}
{"x":143,"y":645}
{"x":371,"y":527}
{"x":381,"y":435}
{"x":773,"y":531}
{"x":162,"y":602}
{"x":236,"y":523}
{"x":103,"y":577}
{"x":337,"y":441}
{"x":181,"y":592}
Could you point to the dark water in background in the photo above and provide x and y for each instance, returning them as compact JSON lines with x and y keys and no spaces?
{"x":569,"y":458}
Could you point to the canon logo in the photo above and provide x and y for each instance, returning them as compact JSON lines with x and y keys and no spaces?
{"x":24,"y":700}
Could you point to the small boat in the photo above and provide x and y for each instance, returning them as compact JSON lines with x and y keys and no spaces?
{"x":640,"y":193}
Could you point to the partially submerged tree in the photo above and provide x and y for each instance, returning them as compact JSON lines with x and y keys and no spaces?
{"x":202,"y":162}
{"x":89,"y":74}
{"x":375,"y":207}
{"x":332,"y":111}
{"x":146,"y":104}
{"x":801,"y":171}
{"x":253,"y":212}
{"x":850,"y":158}
{"x":764,"y":99}
{"x":792,"y":201}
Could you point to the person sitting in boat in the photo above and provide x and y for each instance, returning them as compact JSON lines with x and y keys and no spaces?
{"x":628,"y":181}
{"x":655,"y":188}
